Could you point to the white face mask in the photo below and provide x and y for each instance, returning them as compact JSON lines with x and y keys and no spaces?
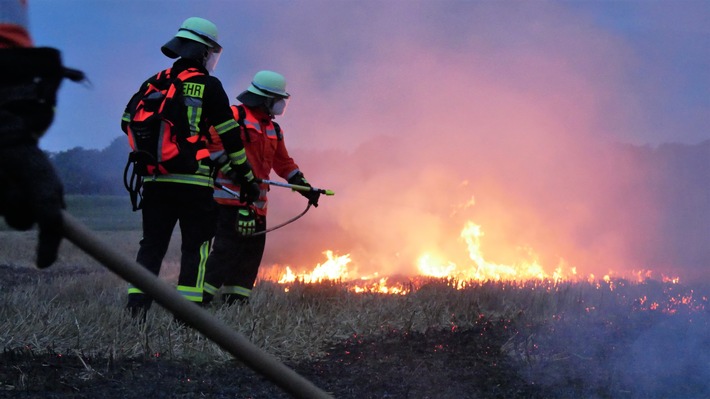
{"x":212,"y":60}
{"x":279,"y":107}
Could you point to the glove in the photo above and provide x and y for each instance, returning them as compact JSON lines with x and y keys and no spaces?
{"x":246,"y":221}
{"x":299,"y":180}
{"x":243,"y":176}
{"x":31,"y":192}
{"x":249,"y":191}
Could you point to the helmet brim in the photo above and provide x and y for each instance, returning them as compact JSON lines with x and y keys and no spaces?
{"x":251,"y":99}
{"x":185,"y":48}
{"x":171,"y":48}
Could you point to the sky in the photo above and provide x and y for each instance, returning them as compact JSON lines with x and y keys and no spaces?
{"x":425,"y":115}
{"x":646,"y":60}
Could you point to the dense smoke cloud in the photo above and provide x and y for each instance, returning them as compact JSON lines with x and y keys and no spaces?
{"x":411,"y":128}
{"x":425,"y":115}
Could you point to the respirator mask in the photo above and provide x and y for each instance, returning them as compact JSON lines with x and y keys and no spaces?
{"x":278,"y":107}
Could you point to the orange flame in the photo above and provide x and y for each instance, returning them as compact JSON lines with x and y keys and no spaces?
{"x":335,"y":268}
{"x":431,"y":265}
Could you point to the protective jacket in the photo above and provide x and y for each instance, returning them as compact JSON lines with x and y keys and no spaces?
{"x":210,"y":114}
{"x":186,"y":198}
{"x":265,"y":150}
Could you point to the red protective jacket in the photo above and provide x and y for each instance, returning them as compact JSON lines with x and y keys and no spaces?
{"x":265,"y":151}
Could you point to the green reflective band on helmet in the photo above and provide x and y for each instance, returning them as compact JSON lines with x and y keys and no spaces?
{"x":226,"y":126}
{"x":126,"y":117}
{"x":235,"y":289}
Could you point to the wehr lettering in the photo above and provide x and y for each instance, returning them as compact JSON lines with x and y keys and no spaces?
{"x":193,"y":89}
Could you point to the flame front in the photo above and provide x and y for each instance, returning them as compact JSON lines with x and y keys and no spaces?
{"x":431,"y":265}
{"x":485,"y":270}
{"x":335,"y":268}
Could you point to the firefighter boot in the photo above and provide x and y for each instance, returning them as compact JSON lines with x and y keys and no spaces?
{"x":137,"y":307}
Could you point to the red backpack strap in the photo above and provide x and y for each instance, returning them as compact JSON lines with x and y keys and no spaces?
{"x":188,"y":73}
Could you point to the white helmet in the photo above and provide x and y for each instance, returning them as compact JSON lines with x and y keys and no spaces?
{"x":269,"y":84}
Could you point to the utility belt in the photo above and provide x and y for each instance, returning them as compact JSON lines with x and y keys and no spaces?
{"x":29,"y":83}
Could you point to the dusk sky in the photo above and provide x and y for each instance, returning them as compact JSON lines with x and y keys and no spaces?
{"x":423,"y":115}
{"x":643,"y":64}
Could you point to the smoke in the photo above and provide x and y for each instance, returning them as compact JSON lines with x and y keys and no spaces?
{"x":422,"y":116}
{"x":633,"y":340}
{"x":669,"y":358}
{"x":410,"y":128}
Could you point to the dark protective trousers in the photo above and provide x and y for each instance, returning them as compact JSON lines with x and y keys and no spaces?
{"x":235,"y":259}
{"x":164,"y":205}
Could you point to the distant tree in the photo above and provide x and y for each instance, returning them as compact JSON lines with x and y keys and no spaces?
{"x":93,"y":171}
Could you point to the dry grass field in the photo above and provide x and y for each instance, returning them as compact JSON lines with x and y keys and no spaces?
{"x":64,"y":335}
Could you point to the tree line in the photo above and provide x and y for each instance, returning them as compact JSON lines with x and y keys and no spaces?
{"x":91,"y":171}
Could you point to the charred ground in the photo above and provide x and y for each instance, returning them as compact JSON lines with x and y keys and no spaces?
{"x":401,"y":365}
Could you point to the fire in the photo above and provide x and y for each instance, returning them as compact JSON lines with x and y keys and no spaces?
{"x":485,"y":270}
{"x":431,"y":265}
{"x":335,"y":268}
{"x":379,"y":287}
{"x":482,"y":269}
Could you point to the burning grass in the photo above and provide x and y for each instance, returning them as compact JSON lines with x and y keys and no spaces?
{"x":538,"y":338}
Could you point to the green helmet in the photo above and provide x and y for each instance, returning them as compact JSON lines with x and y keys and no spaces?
{"x":199,"y":30}
{"x":196,"y":39}
{"x":269,"y":84}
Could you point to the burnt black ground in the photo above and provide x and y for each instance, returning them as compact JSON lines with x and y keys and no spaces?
{"x":441,"y":364}
{"x":647,"y":356}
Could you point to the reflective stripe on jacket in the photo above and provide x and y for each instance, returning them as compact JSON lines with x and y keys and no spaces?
{"x":200,"y":178}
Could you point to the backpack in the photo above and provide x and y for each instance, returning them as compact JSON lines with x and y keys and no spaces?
{"x":159,"y":132}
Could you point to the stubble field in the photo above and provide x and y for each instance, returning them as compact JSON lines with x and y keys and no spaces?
{"x":64,"y":335}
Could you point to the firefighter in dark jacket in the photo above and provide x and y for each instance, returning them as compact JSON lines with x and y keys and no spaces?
{"x":238,"y":244}
{"x":187,"y":198}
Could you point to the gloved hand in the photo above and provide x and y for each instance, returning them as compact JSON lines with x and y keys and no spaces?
{"x":31,"y":192}
{"x":300,"y":180}
{"x":249,"y":191}
{"x":246,"y":221}
{"x":243,"y":176}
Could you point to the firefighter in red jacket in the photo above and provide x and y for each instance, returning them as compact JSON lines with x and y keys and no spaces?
{"x":30,"y":190}
{"x":239,"y":240}
{"x":187,"y":198}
